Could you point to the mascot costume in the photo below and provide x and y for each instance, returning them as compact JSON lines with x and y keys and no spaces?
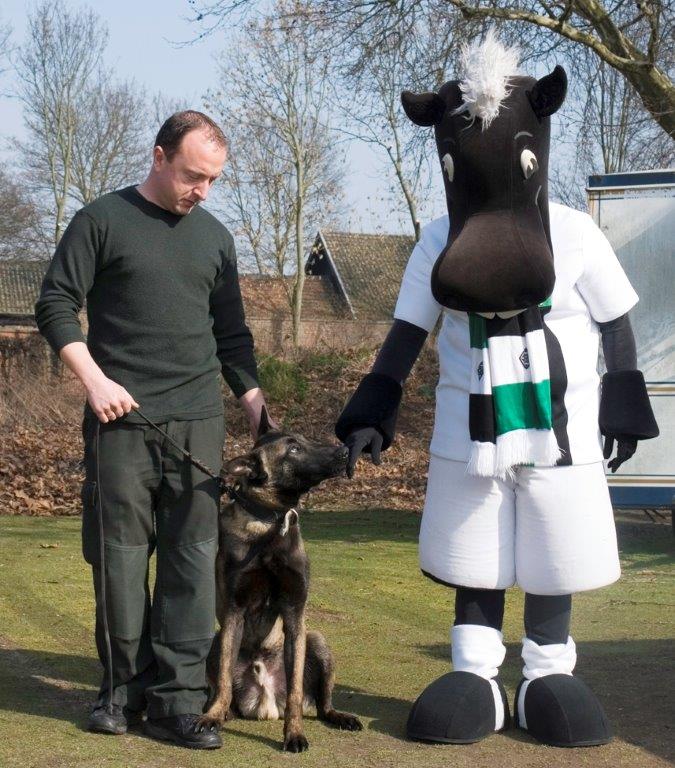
{"x":516,"y":489}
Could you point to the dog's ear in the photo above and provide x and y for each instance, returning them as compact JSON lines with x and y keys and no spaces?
{"x":248,"y":466}
{"x":264,"y":425}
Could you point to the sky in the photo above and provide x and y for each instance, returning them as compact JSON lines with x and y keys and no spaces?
{"x":144,"y":44}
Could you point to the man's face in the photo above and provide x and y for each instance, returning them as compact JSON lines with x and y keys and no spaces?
{"x":185,"y":180}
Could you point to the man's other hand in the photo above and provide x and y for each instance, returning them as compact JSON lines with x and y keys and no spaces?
{"x":108,"y":400}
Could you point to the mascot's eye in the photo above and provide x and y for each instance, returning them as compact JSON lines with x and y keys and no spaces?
{"x":449,"y":165}
{"x":528,"y":162}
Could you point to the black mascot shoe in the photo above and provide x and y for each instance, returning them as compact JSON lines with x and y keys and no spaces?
{"x":115,"y":722}
{"x":458,"y":708}
{"x":184,"y":731}
{"x":562,"y":711}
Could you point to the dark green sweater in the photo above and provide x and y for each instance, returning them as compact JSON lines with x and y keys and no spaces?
{"x":163,"y":303}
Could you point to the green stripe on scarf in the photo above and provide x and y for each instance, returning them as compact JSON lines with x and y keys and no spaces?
{"x":477,"y":331}
{"x":522,"y":406}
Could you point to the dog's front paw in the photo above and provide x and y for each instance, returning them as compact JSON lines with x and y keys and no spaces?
{"x":343,"y":720}
{"x":215,"y":715}
{"x":295,"y":742}
{"x":349,"y":722}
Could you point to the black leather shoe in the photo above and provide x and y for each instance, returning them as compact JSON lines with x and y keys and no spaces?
{"x":116,"y":722}
{"x":184,"y":731}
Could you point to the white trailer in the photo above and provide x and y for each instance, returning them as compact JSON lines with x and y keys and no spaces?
{"x":636,"y":211}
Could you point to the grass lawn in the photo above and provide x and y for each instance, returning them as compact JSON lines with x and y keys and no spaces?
{"x":388,"y":627}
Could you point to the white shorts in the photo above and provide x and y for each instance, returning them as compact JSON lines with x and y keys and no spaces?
{"x":550,"y":530}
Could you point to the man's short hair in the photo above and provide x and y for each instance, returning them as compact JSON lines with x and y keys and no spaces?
{"x":181,"y":123}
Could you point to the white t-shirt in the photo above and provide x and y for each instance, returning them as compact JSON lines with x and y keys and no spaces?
{"x":591,"y":287}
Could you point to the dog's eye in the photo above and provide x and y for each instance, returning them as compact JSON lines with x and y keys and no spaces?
{"x":293,"y":449}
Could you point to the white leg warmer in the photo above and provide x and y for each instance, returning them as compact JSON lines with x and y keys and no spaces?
{"x":480,"y":650}
{"x":542,"y":660}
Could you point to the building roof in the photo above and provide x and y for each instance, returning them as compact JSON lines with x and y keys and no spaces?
{"x":264,"y":297}
{"x":20,"y":282}
{"x":366,"y":270}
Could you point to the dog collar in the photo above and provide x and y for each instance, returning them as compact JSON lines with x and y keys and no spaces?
{"x":258,"y":510}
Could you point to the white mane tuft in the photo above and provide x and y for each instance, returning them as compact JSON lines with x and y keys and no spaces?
{"x":487,"y":68}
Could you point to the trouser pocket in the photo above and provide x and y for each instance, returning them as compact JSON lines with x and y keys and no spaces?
{"x":90,"y":523}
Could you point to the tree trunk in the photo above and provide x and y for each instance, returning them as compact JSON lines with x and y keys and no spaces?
{"x":299,"y":283}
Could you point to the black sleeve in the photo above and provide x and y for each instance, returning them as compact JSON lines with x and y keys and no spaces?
{"x":233,"y":338}
{"x":67,"y":282}
{"x":618,"y":344}
{"x":399,"y":351}
{"x":376,"y":400}
{"x":625,"y":410}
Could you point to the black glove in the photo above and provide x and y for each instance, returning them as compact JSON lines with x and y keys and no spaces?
{"x":366,"y":438}
{"x":374,"y":404}
{"x":626,"y":447}
{"x":625,"y":415}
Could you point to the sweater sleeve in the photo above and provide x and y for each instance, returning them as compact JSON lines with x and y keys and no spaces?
{"x":233,"y":338}
{"x":68,"y":280}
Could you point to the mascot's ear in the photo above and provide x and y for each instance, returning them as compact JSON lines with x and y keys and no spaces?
{"x":548,"y":94}
{"x":423,"y":108}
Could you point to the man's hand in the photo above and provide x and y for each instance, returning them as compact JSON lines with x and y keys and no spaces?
{"x":357,"y":441}
{"x":625,"y":449}
{"x":108,"y":400}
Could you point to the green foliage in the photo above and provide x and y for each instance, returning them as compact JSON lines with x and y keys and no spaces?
{"x":282,"y":380}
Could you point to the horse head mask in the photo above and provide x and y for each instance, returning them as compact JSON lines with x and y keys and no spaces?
{"x":492,"y":133}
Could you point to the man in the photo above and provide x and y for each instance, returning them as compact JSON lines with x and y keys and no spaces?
{"x":165,"y":316}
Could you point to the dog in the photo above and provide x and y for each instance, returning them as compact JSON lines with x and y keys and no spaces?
{"x":263,"y":663}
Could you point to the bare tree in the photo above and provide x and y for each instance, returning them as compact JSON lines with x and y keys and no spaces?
{"x":605,"y":129}
{"x":111,"y":146}
{"x":285,"y":166}
{"x":87,"y":134}
{"x":161,"y":107}
{"x":634,"y":37}
{"x":374,"y":74}
{"x":55,"y":68}
{"x":259,"y":200}
{"x":5,"y":47}
{"x":19,"y":221}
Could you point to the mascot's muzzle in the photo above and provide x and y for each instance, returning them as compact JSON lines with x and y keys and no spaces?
{"x":500,"y":261}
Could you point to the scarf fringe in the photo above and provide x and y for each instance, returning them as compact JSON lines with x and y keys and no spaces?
{"x":519,"y":447}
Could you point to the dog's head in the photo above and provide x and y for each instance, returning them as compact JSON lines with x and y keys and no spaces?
{"x":284,"y":465}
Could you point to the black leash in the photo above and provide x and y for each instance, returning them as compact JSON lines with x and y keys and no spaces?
{"x":101,"y":543}
{"x":257,"y":510}
{"x":195,"y":462}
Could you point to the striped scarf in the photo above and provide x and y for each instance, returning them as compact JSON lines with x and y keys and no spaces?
{"x":510,"y":419}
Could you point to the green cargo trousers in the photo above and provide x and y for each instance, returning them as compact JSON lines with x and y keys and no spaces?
{"x":153,"y":498}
